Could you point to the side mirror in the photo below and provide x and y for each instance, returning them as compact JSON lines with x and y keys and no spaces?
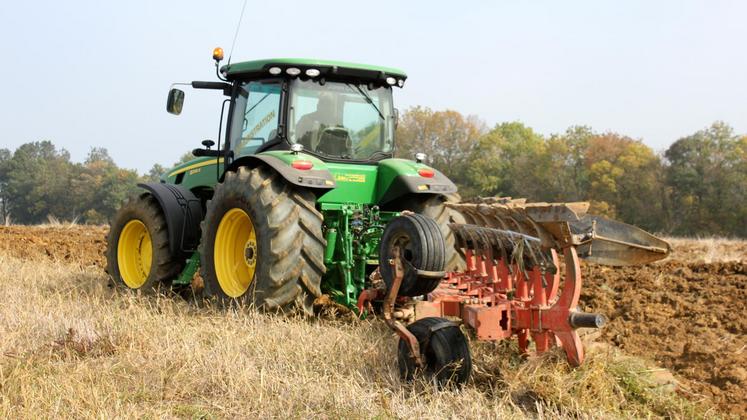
{"x":396,"y":118}
{"x":175,"y":102}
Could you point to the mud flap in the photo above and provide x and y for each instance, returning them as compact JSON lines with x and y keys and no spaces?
{"x":183,"y":213}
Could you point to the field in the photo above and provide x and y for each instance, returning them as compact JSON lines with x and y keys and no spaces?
{"x":71,"y":346}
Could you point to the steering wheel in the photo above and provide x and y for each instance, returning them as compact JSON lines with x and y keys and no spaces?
{"x":335,"y":141}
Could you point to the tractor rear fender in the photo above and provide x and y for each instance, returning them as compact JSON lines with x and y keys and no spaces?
{"x":317,"y":178}
{"x":183,"y":213}
{"x":401,"y":177}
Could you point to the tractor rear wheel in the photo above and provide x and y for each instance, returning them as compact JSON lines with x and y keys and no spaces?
{"x":434,"y":206}
{"x":262,"y":243}
{"x":137,"y":253}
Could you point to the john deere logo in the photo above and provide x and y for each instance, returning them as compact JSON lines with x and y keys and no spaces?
{"x":350,"y":178}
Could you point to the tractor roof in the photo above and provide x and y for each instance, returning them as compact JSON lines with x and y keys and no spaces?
{"x":325,"y":67}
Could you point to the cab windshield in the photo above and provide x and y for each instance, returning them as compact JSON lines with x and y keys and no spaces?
{"x":341,"y":120}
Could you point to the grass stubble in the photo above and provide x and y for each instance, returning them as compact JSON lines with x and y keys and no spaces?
{"x":70,"y":346}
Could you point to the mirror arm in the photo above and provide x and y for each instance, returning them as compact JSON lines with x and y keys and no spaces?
{"x":225,"y":87}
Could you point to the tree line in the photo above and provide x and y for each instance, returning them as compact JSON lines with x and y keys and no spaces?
{"x":696,"y":187}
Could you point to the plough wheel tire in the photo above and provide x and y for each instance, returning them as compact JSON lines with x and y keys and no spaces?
{"x":262,"y":243}
{"x":444,"y":350}
{"x":434,"y":207}
{"x":137,"y":251}
{"x":421,"y":248}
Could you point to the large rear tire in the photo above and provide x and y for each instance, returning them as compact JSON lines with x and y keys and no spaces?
{"x":137,"y":253}
{"x":434,"y":206}
{"x":262,"y":243}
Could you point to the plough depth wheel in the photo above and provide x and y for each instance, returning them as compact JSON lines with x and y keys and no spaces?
{"x":443,"y":349}
{"x":417,"y":241}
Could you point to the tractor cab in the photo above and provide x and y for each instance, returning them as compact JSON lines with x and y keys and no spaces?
{"x":324,"y":125}
{"x":334,"y":111}
{"x":332,"y":120}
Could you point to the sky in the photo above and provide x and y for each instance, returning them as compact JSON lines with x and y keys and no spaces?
{"x":89,"y":74}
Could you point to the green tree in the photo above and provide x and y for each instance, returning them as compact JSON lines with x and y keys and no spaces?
{"x":5,"y":156}
{"x":508,"y":161}
{"x":446,"y":137}
{"x":625,"y":180}
{"x":707,"y":175}
{"x":101,"y":186}
{"x":567,"y":178}
{"x":99,"y":155}
{"x":36,"y":183}
{"x":155,"y":172}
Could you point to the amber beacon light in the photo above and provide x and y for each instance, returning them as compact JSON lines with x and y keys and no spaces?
{"x":218,"y":54}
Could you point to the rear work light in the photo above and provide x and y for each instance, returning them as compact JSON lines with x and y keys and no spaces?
{"x":426,"y":173}
{"x":303,"y":165}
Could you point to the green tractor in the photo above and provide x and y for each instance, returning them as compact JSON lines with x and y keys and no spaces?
{"x":294,"y":200}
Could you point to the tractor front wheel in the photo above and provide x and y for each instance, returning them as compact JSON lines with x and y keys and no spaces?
{"x":262,"y":243}
{"x":137,"y":253}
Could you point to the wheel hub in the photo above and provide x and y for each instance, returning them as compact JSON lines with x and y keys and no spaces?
{"x":250,"y":253}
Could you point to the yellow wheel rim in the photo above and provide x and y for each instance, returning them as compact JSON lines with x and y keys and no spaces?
{"x":134,"y":254}
{"x":235,"y":252}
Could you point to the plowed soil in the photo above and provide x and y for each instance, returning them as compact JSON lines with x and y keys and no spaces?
{"x":686,"y":313}
{"x":75,"y":244}
{"x":688,"y":317}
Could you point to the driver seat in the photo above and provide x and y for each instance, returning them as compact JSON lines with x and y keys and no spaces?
{"x":334,"y":141}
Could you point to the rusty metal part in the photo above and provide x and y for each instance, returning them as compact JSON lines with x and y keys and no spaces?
{"x":526,"y":251}
{"x":389,"y":318}
{"x":609,"y":242}
{"x":513,"y":285}
{"x":365,"y":298}
{"x":559,"y":225}
{"x":375,"y":292}
{"x":510,"y":287}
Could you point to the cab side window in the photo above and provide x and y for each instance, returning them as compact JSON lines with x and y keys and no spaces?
{"x":256,"y":116}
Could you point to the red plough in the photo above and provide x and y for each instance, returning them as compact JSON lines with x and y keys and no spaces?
{"x":514,"y":284}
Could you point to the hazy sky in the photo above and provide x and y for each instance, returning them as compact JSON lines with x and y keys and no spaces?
{"x":96,"y":73}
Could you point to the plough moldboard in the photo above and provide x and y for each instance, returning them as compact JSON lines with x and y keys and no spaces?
{"x":514,"y":283}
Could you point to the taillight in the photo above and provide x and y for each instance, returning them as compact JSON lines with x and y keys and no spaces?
{"x":303,"y":165}
{"x":426,"y":173}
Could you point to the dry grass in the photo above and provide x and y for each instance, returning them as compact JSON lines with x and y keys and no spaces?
{"x":708,"y":250}
{"x":72,"y":347}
